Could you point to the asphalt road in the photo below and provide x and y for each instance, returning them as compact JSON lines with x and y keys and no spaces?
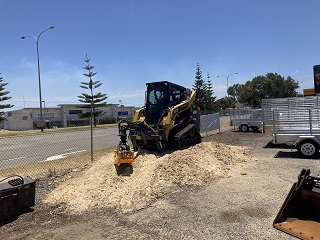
{"x":24,"y":150}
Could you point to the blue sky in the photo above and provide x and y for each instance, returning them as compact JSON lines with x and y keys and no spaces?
{"x":132,"y":42}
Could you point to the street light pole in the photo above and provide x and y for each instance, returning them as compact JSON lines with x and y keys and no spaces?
{"x":37,"y":43}
{"x":227,"y":77}
{"x":120,"y":107}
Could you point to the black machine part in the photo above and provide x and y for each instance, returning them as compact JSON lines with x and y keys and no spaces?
{"x":145,"y":131}
{"x":300,"y":212}
{"x":17,"y":194}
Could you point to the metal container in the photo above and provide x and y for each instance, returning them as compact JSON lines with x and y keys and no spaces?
{"x":17,"y":194}
{"x":9,"y":205}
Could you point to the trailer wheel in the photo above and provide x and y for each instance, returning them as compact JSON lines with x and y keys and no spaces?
{"x":308,"y":148}
{"x":244,"y":128}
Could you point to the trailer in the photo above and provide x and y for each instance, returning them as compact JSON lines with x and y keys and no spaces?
{"x":246,"y":118}
{"x":268,"y":105}
{"x":298,"y":128}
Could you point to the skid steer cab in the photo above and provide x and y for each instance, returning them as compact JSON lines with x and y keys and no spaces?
{"x":170,"y":119}
{"x":300,"y":212}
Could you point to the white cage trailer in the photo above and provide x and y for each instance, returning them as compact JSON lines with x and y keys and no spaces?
{"x":268,"y":105}
{"x":246,"y":118}
{"x":298,"y":128}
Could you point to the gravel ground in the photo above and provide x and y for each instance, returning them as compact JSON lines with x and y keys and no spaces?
{"x":240,"y":206}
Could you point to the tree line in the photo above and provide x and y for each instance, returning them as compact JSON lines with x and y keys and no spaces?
{"x":249,"y":94}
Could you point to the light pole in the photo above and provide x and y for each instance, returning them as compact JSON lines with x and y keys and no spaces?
{"x":120,"y":107}
{"x":37,"y":43}
{"x":227,"y":77}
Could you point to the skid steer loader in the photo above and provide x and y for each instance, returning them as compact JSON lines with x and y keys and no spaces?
{"x":300,"y":212}
{"x":169,"y":119}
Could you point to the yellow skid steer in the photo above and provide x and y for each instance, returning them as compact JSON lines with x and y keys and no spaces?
{"x":170,"y":119}
{"x":300,"y":212}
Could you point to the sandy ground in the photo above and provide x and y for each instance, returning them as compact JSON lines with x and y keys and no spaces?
{"x":153,"y":177}
{"x":230,"y":186}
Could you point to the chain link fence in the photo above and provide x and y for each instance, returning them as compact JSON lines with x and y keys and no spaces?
{"x":53,"y":150}
{"x":49,"y":148}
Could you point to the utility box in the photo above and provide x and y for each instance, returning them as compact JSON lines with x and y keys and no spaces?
{"x":17,"y":194}
{"x":9,"y":205}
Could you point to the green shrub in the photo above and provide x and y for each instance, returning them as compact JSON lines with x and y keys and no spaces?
{"x":108,"y":120}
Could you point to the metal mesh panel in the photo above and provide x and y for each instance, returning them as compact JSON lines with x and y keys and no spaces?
{"x":269,"y":105}
{"x":248,"y":113}
{"x":296,"y":120}
{"x":210,"y":122}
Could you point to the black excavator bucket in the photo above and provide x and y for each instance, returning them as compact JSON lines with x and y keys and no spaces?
{"x":300,"y":212}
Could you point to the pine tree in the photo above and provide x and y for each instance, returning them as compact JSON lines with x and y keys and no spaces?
{"x":3,"y":98}
{"x":209,"y":93}
{"x":200,"y":87}
{"x":93,"y":101}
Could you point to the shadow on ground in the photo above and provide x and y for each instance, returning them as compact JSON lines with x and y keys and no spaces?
{"x":293,"y":154}
{"x":272,"y":145}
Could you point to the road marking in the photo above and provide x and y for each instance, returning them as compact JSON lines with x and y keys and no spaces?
{"x":60,"y":156}
{"x":56,"y":157}
{"x":69,"y":149}
{"x":11,"y":159}
{"x":75,"y":152}
{"x":35,"y":138}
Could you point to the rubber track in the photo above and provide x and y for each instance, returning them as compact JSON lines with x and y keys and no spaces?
{"x":194,"y":139}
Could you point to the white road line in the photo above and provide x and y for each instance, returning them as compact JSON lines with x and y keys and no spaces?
{"x":11,"y":159}
{"x":69,"y":135}
{"x":35,"y":138}
{"x":56,"y":157}
{"x":69,"y":149}
{"x":75,"y":152}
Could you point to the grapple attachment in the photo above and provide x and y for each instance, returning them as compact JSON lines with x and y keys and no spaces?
{"x":300,"y":212}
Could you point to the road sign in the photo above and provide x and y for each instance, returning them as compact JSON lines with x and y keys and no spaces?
{"x":309,"y":92}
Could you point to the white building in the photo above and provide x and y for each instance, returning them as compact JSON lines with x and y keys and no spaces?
{"x":19,"y":120}
{"x":65,"y":115}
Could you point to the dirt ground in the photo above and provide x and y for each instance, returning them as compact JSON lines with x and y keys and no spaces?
{"x":230,"y":186}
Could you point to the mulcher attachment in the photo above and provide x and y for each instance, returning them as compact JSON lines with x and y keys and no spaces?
{"x":124,"y":154}
{"x":300,"y":212}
